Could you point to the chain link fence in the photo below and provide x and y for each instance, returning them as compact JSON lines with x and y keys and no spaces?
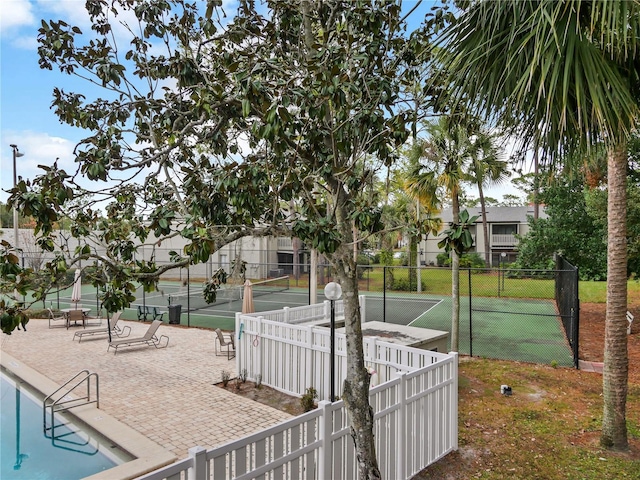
{"x":525,"y":315}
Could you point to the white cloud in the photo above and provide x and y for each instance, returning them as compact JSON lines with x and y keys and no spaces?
{"x":15,"y":14}
{"x":25,"y":42}
{"x":39,"y":149}
{"x":71,"y":11}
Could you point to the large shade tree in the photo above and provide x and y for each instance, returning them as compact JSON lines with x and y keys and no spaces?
{"x":269,"y":123}
{"x":564,"y":77}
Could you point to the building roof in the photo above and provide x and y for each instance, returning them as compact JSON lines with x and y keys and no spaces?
{"x":497,"y":214}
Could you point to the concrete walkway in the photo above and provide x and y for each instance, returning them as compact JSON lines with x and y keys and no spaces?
{"x":590,"y":366}
{"x":165,"y":394}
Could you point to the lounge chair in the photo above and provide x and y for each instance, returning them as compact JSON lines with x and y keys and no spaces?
{"x":57,"y":318}
{"x":104,"y":330}
{"x":222,"y":345}
{"x":149,"y":339}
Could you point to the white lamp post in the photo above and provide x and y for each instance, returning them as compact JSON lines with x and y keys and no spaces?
{"x":333,"y":292}
{"x":16,"y":154}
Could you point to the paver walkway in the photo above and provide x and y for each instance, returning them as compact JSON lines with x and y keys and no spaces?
{"x":166,"y":394}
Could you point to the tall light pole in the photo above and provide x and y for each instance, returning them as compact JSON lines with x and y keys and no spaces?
{"x":16,"y":154}
{"x":333,"y":292}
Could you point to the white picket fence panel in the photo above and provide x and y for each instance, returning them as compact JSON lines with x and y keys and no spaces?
{"x":292,"y":358}
{"x":415,"y":406}
{"x":415,"y":424}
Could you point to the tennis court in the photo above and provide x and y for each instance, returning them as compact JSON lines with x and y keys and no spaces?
{"x":272,"y":294}
{"x":497,"y":327}
{"x":526,"y":330}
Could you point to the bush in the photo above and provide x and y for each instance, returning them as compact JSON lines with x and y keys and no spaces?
{"x":37,"y":313}
{"x":363,"y":263}
{"x":471,"y":260}
{"x":307,"y":400}
{"x":403,"y":285}
{"x":226,"y":376}
{"x":442,"y":259}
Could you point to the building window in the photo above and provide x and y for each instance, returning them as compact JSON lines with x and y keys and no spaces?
{"x":510,"y":229}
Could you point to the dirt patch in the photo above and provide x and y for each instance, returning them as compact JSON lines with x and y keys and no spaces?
{"x":591,"y":343}
{"x":265,"y":395}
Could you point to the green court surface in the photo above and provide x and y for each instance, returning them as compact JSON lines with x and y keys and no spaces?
{"x":505,"y":328}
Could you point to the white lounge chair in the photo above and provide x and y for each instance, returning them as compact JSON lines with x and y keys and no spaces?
{"x":149,"y":339}
{"x":53,"y":318}
{"x":104,"y":330}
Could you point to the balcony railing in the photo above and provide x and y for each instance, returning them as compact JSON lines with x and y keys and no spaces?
{"x":504,"y":240}
{"x":285,"y":243}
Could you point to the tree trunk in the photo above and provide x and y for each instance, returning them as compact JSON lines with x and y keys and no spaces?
{"x":313,"y":277}
{"x":455,"y":282}
{"x":411,"y":263}
{"x":455,"y":300}
{"x":355,"y":391}
{"x":616,"y":360}
{"x":485,"y":227}
{"x":536,"y":183}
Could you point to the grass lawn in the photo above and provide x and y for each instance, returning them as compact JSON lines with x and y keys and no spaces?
{"x":548,"y":429}
{"x":438,"y":281}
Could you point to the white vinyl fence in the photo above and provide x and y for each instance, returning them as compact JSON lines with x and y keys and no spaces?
{"x":415,"y":406}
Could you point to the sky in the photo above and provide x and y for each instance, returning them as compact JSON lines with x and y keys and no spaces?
{"x":26,"y":117}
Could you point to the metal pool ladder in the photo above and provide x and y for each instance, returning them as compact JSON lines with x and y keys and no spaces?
{"x":60,"y":401}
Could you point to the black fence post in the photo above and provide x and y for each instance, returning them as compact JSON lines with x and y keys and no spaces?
{"x":384,"y":293}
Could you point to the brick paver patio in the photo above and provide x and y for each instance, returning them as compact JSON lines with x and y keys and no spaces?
{"x":165,"y":394}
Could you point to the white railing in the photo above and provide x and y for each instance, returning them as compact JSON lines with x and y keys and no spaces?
{"x":292,"y":358}
{"x":415,"y":424}
{"x":285,"y":243}
{"x":305,"y":313}
{"x":503,"y":240}
{"x":415,"y":406}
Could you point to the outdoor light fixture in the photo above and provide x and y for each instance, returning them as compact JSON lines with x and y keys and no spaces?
{"x":16,"y":154}
{"x":333,"y":292}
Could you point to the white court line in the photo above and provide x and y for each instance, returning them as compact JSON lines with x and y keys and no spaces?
{"x":433,"y":306}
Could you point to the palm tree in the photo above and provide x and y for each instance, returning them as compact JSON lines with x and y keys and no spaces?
{"x":448,"y":154}
{"x":564,"y":76}
{"x":487,"y":168}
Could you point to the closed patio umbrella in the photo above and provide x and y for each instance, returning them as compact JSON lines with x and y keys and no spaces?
{"x":247,"y":300}
{"x":76,"y":294}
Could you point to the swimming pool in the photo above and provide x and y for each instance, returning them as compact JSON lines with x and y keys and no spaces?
{"x":29,"y":454}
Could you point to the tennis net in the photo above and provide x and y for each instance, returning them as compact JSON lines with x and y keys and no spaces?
{"x":192,"y":299}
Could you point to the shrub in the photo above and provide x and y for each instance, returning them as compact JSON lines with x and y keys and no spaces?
{"x":403,"y":285}
{"x":363,"y":265}
{"x":38,"y":313}
{"x":226,"y":376}
{"x":307,"y":400}
{"x":471,"y":260}
{"x":442,"y":259}
{"x":243,"y":375}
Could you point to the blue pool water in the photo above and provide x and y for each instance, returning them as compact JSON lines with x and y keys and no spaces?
{"x":27,"y":453}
